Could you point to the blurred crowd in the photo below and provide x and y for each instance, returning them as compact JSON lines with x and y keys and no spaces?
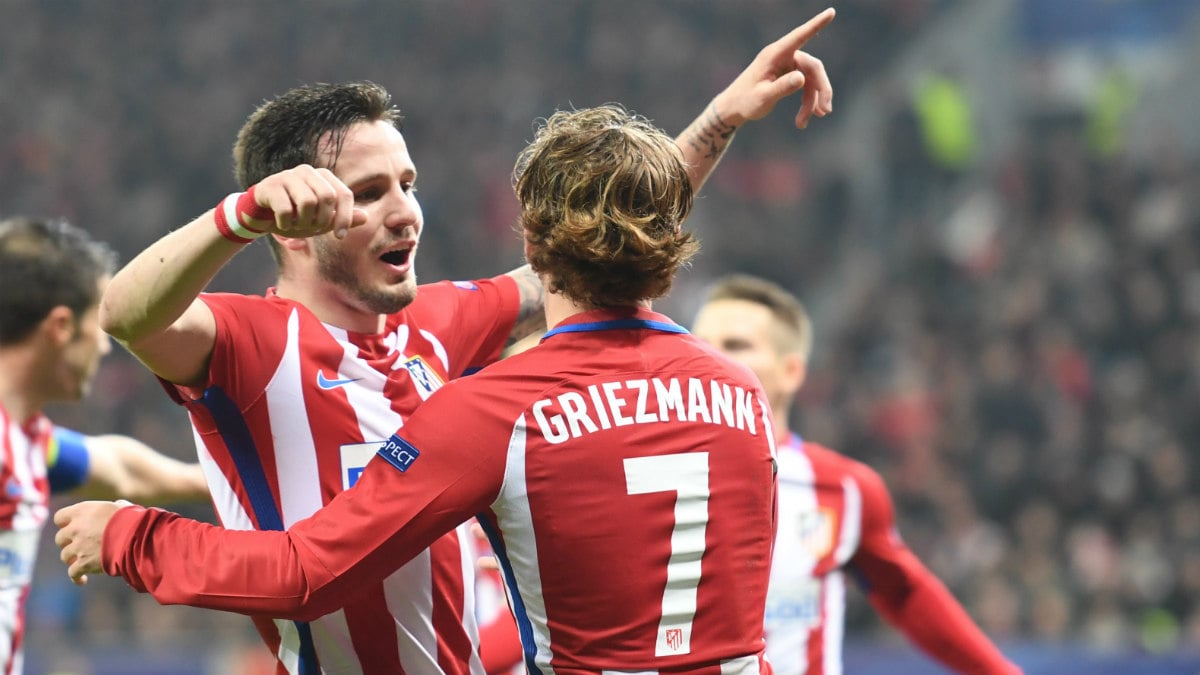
{"x":1015,"y":346}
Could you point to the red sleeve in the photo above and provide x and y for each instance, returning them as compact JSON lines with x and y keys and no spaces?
{"x":910,"y":597}
{"x":360,"y":537}
{"x":245,"y":324}
{"x":474,"y":318}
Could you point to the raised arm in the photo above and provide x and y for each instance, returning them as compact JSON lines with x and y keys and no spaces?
{"x":151,"y":306}
{"x":912,"y":599}
{"x":780,"y":70}
{"x":124,"y":467}
{"x":531,"y":316}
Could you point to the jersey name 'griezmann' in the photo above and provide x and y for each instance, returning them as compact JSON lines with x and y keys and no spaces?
{"x":643,"y":401}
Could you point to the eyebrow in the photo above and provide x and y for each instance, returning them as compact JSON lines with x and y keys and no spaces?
{"x":410,"y":175}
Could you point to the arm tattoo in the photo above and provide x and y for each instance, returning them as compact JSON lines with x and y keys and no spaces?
{"x":530,"y":315}
{"x":709,"y":135}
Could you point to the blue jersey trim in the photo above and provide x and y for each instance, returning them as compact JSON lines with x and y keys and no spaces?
{"x":69,"y":459}
{"x":616,"y":324}
{"x":524,"y":627}
{"x":236,"y":435}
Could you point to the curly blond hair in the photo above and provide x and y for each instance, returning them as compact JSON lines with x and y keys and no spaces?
{"x":604,"y":194}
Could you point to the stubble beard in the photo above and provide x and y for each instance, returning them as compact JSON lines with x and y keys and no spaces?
{"x":338,"y":269}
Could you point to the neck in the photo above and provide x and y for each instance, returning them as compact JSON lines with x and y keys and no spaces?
{"x":325,"y":302}
{"x":559,"y":308}
{"x":779,"y":413}
{"x":19,"y":393}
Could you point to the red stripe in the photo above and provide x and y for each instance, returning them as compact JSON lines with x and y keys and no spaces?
{"x":8,"y":508}
{"x":373,"y":631}
{"x":455,"y":647}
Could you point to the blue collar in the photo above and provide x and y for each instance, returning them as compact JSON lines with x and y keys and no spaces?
{"x":616,"y":324}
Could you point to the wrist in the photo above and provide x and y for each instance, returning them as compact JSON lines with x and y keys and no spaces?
{"x":239,"y":217}
{"x":726,"y":116}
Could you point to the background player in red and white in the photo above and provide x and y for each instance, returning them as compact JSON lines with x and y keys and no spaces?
{"x":624,"y":471}
{"x":835,"y":514}
{"x":51,"y":278}
{"x":291,"y":394}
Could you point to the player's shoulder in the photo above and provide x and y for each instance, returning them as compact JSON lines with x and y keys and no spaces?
{"x":831,"y":461}
{"x":248,"y":307}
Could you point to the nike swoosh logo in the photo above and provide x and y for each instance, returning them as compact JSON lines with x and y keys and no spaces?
{"x":326,"y":383}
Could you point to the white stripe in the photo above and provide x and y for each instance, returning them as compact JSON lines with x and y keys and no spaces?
{"x":851,"y":521}
{"x":225,"y":500}
{"x":833,"y":627}
{"x":439,"y":349}
{"x":331,"y":641}
{"x":32,"y":511}
{"x":787,"y":640}
{"x":295,"y":451}
{"x":376,"y":419}
{"x":746,"y":665}
{"x":516,"y":522}
{"x":469,"y":555}
{"x":408,"y":597}
{"x":289,"y":646}
{"x":232,"y":219}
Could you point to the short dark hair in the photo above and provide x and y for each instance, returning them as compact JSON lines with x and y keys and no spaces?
{"x":46,"y":264}
{"x":286,"y":131}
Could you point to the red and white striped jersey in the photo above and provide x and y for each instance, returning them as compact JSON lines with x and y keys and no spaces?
{"x":835,"y":514}
{"x":292,"y":411}
{"x":624,"y":472}
{"x":27,"y":450}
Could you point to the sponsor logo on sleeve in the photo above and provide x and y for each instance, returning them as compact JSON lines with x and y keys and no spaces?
{"x":467,"y":285}
{"x":399,"y":453}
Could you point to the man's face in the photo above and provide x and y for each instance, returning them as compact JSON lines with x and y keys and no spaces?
{"x":744,"y":331}
{"x":372,"y":268}
{"x":80,"y":356}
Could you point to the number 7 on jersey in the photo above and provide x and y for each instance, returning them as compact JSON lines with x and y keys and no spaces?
{"x":687,"y":476}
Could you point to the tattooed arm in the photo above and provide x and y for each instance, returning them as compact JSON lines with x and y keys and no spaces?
{"x":531,"y":319}
{"x":778,"y":71}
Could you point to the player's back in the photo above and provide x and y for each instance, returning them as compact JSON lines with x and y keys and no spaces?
{"x":636,"y":516}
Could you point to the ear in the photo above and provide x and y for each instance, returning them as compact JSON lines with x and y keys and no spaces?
{"x":59,"y":326}
{"x":795,"y":370}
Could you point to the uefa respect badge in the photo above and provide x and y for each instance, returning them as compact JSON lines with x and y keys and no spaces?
{"x":399,"y":453}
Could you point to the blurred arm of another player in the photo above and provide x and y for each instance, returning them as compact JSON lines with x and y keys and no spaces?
{"x":151,"y":306}
{"x":911,"y":598}
{"x":113,"y":466}
{"x":779,"y":70}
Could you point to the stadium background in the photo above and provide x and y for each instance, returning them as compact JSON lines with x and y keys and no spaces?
{"x":996,"y":233}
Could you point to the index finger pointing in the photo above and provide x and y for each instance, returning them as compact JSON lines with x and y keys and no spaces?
{"x":806,"y":31}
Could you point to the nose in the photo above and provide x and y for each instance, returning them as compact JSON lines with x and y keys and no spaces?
{"x":404,"y":211}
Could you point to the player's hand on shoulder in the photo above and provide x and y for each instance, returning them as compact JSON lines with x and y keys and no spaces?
{"x":81,"y":536}
{"x":780,"y":70}
{"x":307,"y":201}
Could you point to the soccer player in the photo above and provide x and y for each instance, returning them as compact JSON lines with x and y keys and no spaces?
{"x":835,"y":514}
{"x":51,"y":278}
{"x":291,"y":394}
{"x":623,"y":470}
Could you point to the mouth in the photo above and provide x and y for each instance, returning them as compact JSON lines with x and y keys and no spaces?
{"x":399,"y":257}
